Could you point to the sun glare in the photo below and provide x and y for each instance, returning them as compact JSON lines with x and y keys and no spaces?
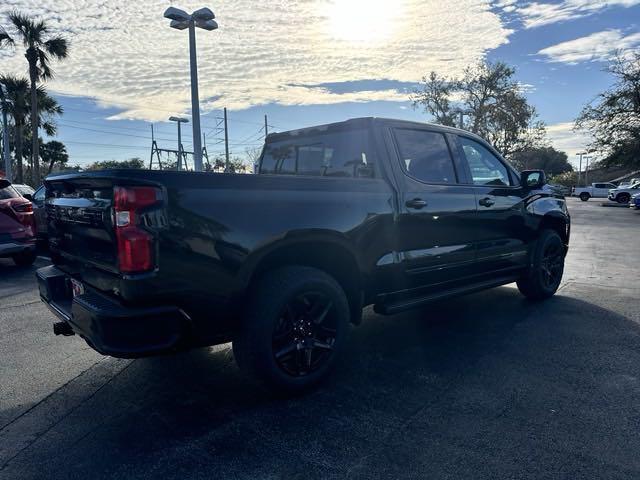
{"x":363,"y":21}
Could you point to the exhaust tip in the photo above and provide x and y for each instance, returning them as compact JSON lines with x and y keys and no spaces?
{"x":62,"y":328}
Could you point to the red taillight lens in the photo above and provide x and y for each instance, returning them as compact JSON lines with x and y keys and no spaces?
{"x":135,"y":245}
{"x":135,"y":249}
{"x":135,"y":198}
{"x":23,"y":208}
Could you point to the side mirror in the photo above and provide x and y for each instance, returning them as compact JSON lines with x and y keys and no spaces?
{"x":533,"y":178}
{"x":28,"y":196}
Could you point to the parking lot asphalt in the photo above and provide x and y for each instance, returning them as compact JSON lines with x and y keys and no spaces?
{"x":486,"y":386}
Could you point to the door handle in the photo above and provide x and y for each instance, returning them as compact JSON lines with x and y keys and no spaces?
{"x":416,"y":203}
{"x":486,"y":202}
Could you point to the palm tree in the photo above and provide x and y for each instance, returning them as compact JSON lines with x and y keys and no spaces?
{"x":18,"y":106}
{"x":5,"y":39}
{"x":41,"y":46}
{"x":15,"y":104}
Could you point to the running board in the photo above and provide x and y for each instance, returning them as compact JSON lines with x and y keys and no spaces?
{"x":400,"y":305}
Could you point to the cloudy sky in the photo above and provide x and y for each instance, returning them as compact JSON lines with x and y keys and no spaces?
{"x":303,"y":62}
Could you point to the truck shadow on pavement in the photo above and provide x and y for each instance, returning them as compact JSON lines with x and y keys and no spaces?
{"x":489,"y":385}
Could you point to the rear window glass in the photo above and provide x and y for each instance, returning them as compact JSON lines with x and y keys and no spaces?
{"x":8,"y":192}
{"x":332,"y":154}
{"x":426,"y":156}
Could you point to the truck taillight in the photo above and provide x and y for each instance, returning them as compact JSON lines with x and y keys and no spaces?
{"x":135,"y":245}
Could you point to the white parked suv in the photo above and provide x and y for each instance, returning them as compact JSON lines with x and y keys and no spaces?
{"x":623,"y":194}
{"x":596,"y":190}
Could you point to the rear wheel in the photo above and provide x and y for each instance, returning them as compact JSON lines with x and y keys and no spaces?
{"x":294,"y":329}
{"x":584,"y":196}
{"x":547,"y":266}
{"x":24,"y":259}
{"x":623,"y":198}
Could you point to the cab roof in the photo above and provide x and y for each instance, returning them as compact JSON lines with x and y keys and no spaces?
{"x":363,"y":122}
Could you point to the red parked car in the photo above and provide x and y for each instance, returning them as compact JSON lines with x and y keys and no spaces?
{"x":17,"y":226}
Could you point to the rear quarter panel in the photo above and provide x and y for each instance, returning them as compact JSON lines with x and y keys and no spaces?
{"x":221,"y":226}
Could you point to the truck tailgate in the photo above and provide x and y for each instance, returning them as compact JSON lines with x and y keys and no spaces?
{"x":80,"y":221}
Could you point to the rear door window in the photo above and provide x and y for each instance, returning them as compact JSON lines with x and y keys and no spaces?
{"x":425,"y":155}
{"x":332,"y":154}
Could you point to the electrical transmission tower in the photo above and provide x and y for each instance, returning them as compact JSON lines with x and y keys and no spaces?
{"x":172,"y":157}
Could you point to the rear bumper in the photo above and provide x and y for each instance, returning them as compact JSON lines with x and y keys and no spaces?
{"x":11,"y":248}
{"x":108,"y":326}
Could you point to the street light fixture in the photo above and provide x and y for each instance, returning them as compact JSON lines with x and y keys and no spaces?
{"x":181,"y":20}
{"x":179,"y":120}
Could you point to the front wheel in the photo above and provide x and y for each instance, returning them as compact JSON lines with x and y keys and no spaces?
{"x":294,"y":329}
{"x":547,"y":266}
{"x":623,"y":198}
{"x":584,"y":196}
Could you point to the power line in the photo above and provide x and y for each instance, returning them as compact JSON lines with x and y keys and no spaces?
{"x":111,"y":133}
{"x":127,"y":129}
{"x":136,"y":147}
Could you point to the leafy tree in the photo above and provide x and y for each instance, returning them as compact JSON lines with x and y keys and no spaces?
{"x":552,"y":161}
{"x":492,"y":102}
{"x":53,"y":153}
{"x":40,"y":47}
{"x":132,"y":163}
{"x":613,"y":118}
{"x":236,"y":165}
{"x":567,"y":179}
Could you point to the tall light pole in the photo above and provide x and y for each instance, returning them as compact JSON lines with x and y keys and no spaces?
{"x":586,"y":172}
{"x":580,"y":154}
{"x":5,"y":139}
{"x":180,"y":20}
{"x":179,"y":120}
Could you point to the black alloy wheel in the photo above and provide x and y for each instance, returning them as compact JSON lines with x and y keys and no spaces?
{"x":544,"y":275}
{"x":552,"y":264}
{"x":294,"y":329}
{"x":305,"y":333}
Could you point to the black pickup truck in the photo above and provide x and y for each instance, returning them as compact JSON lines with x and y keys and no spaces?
{"x":369,"y":211}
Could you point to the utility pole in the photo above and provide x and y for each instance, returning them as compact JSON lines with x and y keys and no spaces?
{"x":180,"y":147}
{"x":266,"y":127}
{"x":460,"y":119}
{"x":226,"y":142}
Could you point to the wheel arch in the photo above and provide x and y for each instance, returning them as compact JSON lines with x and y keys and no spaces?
{"x":325,"y":252}
{"x":557,"y":222}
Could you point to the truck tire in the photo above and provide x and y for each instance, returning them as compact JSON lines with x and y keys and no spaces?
{"x":24,"y":259}
{"x":584,"y":196}
{"x":544,"y":275}
{"x":295,"y":327}
{"x":623,"y":198}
